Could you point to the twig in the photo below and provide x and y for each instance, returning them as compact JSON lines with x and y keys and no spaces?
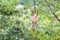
{"x":52,"y":11}
{"x":34,"y":12}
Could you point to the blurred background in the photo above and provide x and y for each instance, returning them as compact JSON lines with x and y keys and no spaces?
{"x":15,"y":20}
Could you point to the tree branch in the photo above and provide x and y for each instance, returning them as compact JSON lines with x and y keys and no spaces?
{"x":34,"y":17}
{"x":52,"y":11}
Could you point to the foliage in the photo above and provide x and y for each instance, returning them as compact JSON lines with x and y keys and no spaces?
{"x":16,"y":24}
